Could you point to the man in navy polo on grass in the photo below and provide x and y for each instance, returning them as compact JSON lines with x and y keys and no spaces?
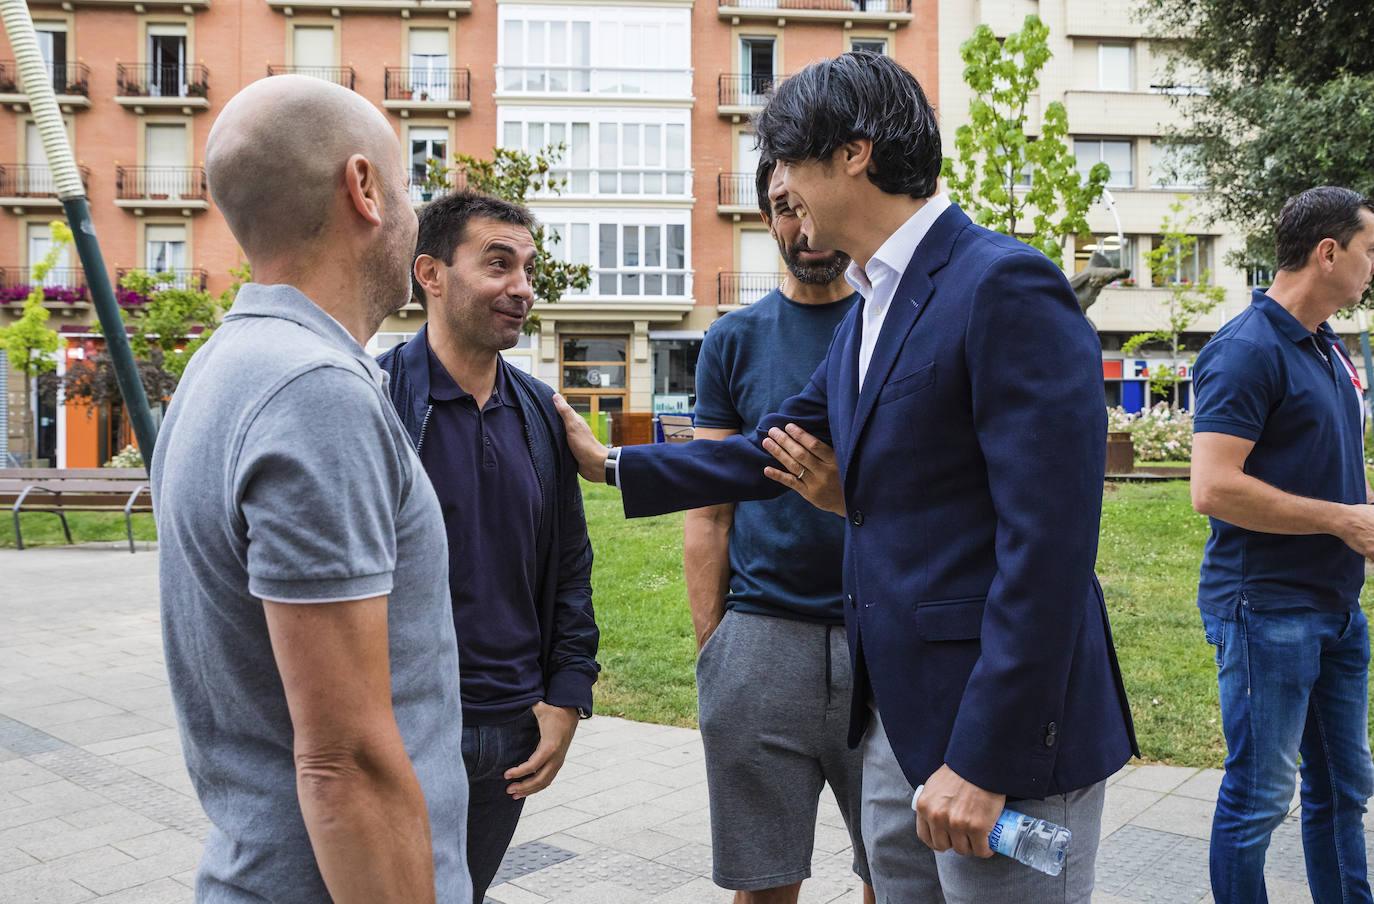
{"x":1278,"y":464}
{"x":519,"y":559}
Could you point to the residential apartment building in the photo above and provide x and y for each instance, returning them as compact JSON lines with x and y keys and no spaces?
{"x":651,"y":99}
{"x":1113,"y":82}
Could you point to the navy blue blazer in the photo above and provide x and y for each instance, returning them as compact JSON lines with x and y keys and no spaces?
{"x":972,"y":466}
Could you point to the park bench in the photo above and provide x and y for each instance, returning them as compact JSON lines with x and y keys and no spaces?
{"x":62,"y":490}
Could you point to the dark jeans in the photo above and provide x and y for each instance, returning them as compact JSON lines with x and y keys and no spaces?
{"x":488,"y":751}
{"x":1292,"y":683}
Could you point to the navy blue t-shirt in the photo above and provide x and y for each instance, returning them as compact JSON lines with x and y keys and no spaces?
{"x":1264,"y":377}
{"x":786,"y":556}
{"x":479,"y":463}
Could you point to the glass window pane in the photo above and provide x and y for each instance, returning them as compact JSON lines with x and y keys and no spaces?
{"x":558,"y":134}
{"x":630,"y":145}
{"x":581,"y":243}
{"x":631,"y":249}
{"x":653,"y":284}
{"x":606,"y":150}
{"x":653,"y":145}
{"x":606,"y":182}
{"x":1114,"y":67}
{"x":594,"y":377}
{"x":629,"y":183}
{"x":558,"y":42}
{"x":510,"y":135}
{"x":629,"y":284}
{"x":653,"y":253}
{"x":677,"y":147}
{"x":653,"y":183}
{"x":607,"y":257}
{"x":1117,"y":155}
{"x":581,"y":149}
{"x":536,"y":136}
{"x":1087,"y":153}
{"x":677,"y":285}
{"x":581,"y":43}
{"x":677,"y":184}
{"x":677,"y":247}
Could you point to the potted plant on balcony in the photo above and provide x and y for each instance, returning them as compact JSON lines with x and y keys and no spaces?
{"x":197,"y":89}
{"x":8,"y":85}
{"x":79,"y":86}
{"x":436,"y":180}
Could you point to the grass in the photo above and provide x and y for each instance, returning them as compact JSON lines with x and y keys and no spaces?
{"x":1151,"y":546}
{"x":43,"y":529}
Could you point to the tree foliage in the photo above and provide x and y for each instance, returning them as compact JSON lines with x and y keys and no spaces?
{"x":1187,"y":300}
{"x":515,"y":175}
{"x":29,"y":343}
{"x":1286,"y":104}
{"x":167,"y":319}
{"x":995,"y":156}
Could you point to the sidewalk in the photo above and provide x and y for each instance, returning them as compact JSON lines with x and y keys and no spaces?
{"x":95,"y":804}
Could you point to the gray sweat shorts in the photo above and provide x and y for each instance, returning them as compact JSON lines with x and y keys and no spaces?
{"x":773,"y":703}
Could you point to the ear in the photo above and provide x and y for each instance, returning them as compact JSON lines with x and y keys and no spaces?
{"x":428,"y":273}
{"x":855,"y":156}
{"x":1325,"y":253}
{"x":767,"y":222}
{"x":364,"y":186}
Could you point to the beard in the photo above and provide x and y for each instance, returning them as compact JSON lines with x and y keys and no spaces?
{"x":819,"y":273}
{"x":386,"y":269}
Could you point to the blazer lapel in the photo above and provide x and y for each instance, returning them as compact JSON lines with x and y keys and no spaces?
{"x":909,"y":302}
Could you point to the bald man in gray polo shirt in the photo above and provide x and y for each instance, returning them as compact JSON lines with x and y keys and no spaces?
{"x":305,"y":610}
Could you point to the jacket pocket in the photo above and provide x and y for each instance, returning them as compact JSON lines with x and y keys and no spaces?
{"x":921,"y":378}
{"x":960,"y":619}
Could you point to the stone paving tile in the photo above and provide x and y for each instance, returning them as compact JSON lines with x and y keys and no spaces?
{"x":159,"y":891}
{"x":1180,"y":815}
{"x":1158,"y":778}
{"x":1203,"y":786}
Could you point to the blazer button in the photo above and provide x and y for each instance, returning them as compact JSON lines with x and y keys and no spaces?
{"x":857,"y":518}
{"x":1051,"y":731}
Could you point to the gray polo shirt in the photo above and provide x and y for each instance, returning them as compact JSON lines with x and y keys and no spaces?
{"x":282,"y":472}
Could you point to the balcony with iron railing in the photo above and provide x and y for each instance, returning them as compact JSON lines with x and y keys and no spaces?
{"x":193,"y":278}
{"x":741,"y":95}
{"x":153,"y":87}
{"x":71,"y":82}
{"x":64,"y":290}
{"x":339,"y":75}
{"x":453,"y":8}
{"x":72,"y":277}
{"x":25,"y":186}
{"x":145,"y":189}
{"x":891,"y":13}
{"x":737,"y":195}
{"x":734,"y":288}
{"x":596,"y":81}
{"x":421,"y":91}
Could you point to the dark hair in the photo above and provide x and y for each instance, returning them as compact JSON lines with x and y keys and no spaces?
{"x":861,"y":94}
{"x":444,"y":221}
{"x":1321,"y":213}
{"x":763,"y":177}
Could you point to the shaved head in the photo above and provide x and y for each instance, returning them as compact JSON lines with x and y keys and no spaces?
{"x":276,"y":156}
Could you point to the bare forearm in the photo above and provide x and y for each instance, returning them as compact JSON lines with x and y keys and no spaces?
{"x":706,"y":565}
{"x":1249,"y":502}
{"x":369,"y":828}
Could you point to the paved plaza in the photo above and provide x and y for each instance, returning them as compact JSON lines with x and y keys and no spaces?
{"x":95,"y":804}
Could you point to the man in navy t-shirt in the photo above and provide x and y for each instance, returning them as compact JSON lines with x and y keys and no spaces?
{"x":763,"y":581}
{"x":1278,"y":464}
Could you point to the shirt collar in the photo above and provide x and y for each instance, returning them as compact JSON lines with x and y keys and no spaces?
{"x":443,"y":388}
{"x":893,"y":255}
{"x":289,"y":303}
{"x":1284,"y":321}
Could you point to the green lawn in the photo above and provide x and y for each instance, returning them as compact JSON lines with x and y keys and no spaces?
{"x":1148,"y":563}
{"x":43,"y":529}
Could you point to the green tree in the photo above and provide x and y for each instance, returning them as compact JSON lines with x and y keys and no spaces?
{"x":165,"y":320}
{"x":1188,"y":300}
{"x":1273,"y":98}
{"x":29,"y":343}
{"x":515,"y":175}
{"x":1016,"y":185}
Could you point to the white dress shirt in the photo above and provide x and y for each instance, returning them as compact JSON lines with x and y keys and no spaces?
{"x":878,"y":282}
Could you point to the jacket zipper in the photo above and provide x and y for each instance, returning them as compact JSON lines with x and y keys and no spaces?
{"x":424,"y":425}
{"x":529,"y":444}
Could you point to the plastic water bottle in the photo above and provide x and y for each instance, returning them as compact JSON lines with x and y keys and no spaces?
{"x":1037,"y":843}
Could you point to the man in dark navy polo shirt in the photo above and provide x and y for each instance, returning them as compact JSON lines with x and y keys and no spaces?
{"x":1278,"y":465}
{"x":519,"y":558}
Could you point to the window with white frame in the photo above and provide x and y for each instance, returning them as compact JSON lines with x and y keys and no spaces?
{"x":1119,"y":155}
{"x":40,"y":243}
{"x":873,"y":45}
{"x":429,"y":67}
{"x":164,"y":249}
{"x":640,"y":259}
{"x":550,"y":49}
{"x":1192,"y":261}
{"x":1114,"y":70}
{"x":1174,"y":166}
{"x":611,"y":157}
{"x":426,"y":144}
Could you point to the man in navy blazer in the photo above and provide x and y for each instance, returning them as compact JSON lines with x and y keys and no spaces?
{"x":963,"y":399}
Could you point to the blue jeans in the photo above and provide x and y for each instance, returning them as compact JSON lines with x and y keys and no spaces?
{"x":1292,"y":682}
{"x":488,"y":751}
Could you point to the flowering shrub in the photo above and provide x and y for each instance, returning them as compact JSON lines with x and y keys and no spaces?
{"x":62,"y":294}
{"x":1161,"y":433}
{"x":128,"y":457}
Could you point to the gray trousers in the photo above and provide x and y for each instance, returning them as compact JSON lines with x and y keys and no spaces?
{"x":905,"y":871}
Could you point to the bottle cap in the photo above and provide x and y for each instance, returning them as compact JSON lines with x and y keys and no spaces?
{"x":917,"y":796}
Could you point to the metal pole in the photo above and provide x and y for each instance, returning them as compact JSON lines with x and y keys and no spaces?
{"x":1362,"y":318}
{"x":48,"y":118}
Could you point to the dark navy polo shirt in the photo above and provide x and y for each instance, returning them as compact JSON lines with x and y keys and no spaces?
{"x":1264,"y":377}
{"x":786,"y":555}
{"x":479,"y":462}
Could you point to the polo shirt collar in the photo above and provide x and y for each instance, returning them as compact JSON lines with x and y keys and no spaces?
{"x":443,"y":388}
{"x":289,"y":303}
{"x":1285,"y":322}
